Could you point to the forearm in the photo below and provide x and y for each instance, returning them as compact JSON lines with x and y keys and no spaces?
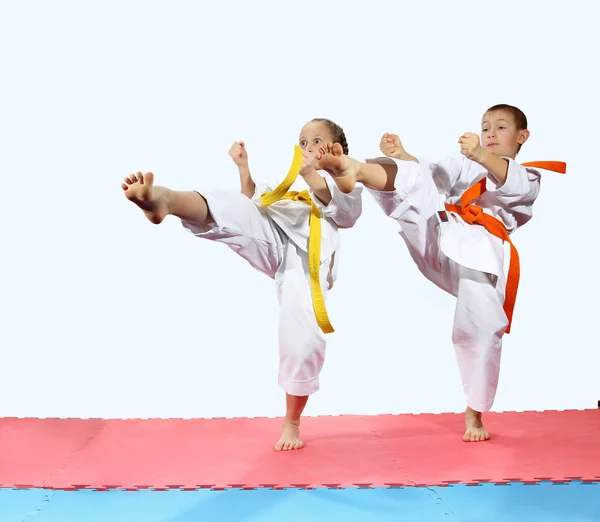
{"x":318,"y":186}
{"x":497,"y":167}
{"x":405,"y":156}
{"x":246,"y":183}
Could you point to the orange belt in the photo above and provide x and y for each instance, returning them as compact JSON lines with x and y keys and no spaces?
{"x":475,"y":215}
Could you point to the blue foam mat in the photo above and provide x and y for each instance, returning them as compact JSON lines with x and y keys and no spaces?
{"x":545,"y":502}
{"x":18,"y":504}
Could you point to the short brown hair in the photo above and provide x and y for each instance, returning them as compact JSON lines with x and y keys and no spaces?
{"x":517,"y":114}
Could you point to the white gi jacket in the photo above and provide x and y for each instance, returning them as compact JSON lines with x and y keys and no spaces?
{"x":293,"y":216}
{"x":473,"y":246}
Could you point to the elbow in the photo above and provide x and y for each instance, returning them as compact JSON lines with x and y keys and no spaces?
{"x":345,"y":224}
{"x":346,"y":221}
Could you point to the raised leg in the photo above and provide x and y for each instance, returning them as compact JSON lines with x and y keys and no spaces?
{"x":158,"y":202}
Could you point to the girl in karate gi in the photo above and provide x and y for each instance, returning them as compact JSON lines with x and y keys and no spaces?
{"x":444,"y":238}
{"x":274,"y":228}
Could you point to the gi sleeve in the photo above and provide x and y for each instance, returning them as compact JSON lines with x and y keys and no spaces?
{"x":343,"y":209}
{"x":519,"y":191}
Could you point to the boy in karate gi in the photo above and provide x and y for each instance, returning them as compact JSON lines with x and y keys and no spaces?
{"x":455,"y":216}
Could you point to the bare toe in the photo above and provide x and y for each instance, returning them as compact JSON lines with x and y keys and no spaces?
{"x":474,"y":432}
{"x":290,"y":438}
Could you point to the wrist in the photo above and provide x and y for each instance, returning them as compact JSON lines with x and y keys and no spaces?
{"x":405,"y":156}
{"x":482,"y":156}
{"x":309,"y":174}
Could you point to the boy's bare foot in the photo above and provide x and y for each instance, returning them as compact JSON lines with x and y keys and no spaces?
{"x":290,"y":437}
{"x":343,"y":169}
{"x":152,"y":200}
{"x":475,"y":432}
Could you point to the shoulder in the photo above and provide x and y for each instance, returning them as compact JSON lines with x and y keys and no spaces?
{"x":531,"y":172}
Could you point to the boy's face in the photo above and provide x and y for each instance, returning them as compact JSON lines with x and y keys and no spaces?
{"x":500,"y":135}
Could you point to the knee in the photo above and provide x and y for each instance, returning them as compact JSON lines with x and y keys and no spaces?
{"x":302,"y":349}
{"x":302,"y":354}
{"x":480,"y":333}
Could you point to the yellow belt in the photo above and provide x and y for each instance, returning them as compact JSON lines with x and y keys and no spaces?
{"x":314,"y":238}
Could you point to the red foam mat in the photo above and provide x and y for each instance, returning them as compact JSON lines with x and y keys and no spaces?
{"x":340,"y":451}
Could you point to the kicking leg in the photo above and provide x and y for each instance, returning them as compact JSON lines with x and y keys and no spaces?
{"x":347,"y":171}
{"x":379,"y":174}
{"x":158,"y":202}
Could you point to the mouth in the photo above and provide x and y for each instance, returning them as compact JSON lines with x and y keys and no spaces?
{"x":490,"y":145}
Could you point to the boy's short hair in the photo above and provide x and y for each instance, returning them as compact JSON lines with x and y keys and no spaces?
{"x":517,"y":114}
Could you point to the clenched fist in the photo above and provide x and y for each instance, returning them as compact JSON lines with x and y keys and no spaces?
{"x":470,"y":146}
{"x":238,"y":153}
{"x":391,"y":146}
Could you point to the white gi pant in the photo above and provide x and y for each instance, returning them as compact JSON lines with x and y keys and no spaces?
{"x":247,"y":230}
{"x":479,"y":320}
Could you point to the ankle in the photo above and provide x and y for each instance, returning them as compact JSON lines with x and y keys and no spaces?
{"x":295,"y":423}
{"x":362,"y":175}
{"x":165,"y":196}
{"x":470,"y":412}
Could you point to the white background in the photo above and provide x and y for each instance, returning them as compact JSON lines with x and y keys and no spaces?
{"x":104,"y":314}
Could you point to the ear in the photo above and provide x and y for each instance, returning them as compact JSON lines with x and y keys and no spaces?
{"x":523,"y":136}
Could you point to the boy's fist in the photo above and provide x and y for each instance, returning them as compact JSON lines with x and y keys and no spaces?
{"x":470,"y":146}
{"x":391,"y":146}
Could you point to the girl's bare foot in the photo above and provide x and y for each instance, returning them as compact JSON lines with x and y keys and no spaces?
{"x":290,"y":437}
{"x":475,"y":432}
{"x":139,"y":188}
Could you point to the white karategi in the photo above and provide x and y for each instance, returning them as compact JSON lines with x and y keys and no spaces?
{"x":464,"y":260}
{"x":274,"y":240}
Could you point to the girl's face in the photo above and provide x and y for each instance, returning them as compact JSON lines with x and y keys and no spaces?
{"x":313,"y":136}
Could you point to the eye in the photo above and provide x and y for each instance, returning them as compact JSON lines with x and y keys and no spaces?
{"x":303,"y":143}
{"x":502,"y":127}
{"x":318,"y":140}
